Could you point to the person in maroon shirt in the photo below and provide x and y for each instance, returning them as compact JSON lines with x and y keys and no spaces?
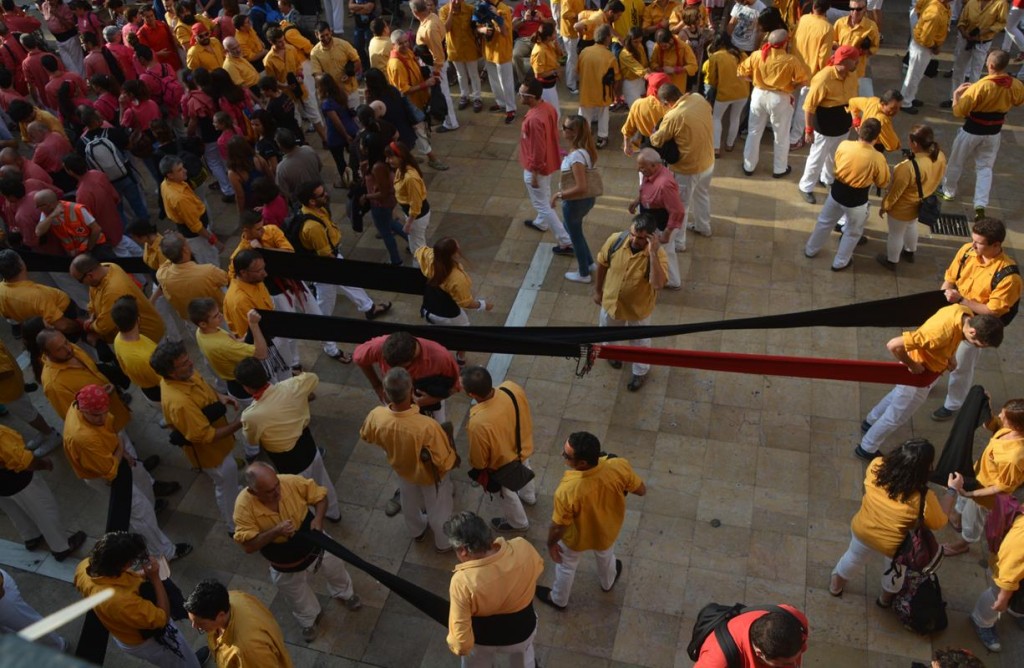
{"x":125,"y":54}
{"x":57,"y":78}
{"x":7,"y":90}
{"x":527,"y":18}
{"x":51,"y":147}
{"x":62,"y":24}
{"x":31,"y":185}
{"x":85,"y":19}
{"x":25,"y":216}
{"x":12,"y":54}
{"x":17,"y":20}
{"x":157,"y":35}
{"x":27,"y":168}
{"x":35,"y":74}
{"x":97,"y":195}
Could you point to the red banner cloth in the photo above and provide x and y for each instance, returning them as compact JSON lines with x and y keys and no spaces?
{"x":889,"y":373}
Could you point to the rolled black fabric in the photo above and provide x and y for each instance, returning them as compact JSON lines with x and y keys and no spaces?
{"x":909,"y":311}
{"x":62,"y":263}
{"x":316,"y":269}
{"x":958,"y":452}
{"x":428,"y":603}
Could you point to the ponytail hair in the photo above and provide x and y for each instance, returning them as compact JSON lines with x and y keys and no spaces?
{"x":924,"y":136}
{"x":113,"y":65}
{"x":545,"y":31}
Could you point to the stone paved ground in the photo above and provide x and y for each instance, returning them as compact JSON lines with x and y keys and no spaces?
{"x":768,"y":457}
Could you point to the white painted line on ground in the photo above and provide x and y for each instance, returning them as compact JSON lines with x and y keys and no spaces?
{"x":519,"y":314}
{"x":14,"y":555}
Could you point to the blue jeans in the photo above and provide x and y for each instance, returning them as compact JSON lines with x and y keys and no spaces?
{"x":388,"y":227}
{"x":130,"y":191}
{"x":361,"y":41}
{"x":573,"y":212}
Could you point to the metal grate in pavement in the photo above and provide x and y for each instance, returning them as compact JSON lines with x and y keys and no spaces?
{"x":952,"y":225}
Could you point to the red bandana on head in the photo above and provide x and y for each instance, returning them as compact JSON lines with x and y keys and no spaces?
{"x":92,"y":399}
{"x":768,"y":46}
{"x":844,"y":53}
{"x":656,"y":81}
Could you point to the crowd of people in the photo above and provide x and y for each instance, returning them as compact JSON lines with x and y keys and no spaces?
{"x":115,"y":115}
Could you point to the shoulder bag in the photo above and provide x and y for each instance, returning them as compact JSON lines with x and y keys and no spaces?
{"x":515,"y":475}
{"x":595,"y":185}
{"x":929,"y":210}
{"x":919,"y":551}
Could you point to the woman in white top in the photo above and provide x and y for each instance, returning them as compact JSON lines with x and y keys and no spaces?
{"x":575,"y":206}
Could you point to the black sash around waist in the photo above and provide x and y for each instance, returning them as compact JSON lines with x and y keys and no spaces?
{"x":659,"y":215}
{"x":439,"y":303}
{"x":297,"y":554}
{"x":12,"y":482}
{"x":508,"y":629}
{"x":848,"y":195}
{"x":66,"y":35}
{"x":984,"y":122}
{"x":548,"y":83}
{"x":298,"y":459}
{"x":424,"y":210}
{"x":832,"y":121}
{"x":189,"y":234}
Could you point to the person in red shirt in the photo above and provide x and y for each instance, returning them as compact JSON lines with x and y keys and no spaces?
{"x":64,"y":27}
{"x":7,"y":90}
{"x":137,"y":110}
{"x":57,"y":77}
{"x":764,"y":639}
{"x":35,"y":74}
{"x":97,"y":195}
{"x":12,"y":55}
{"x":539,"y":155}
{"x":125,"y":54}
{"x":22,"y":216}
{"x":27,"y":168}
{"x":422,"y":358}
{"x":527,"y":18}
{"x":157,"y":35}
{"x":17,"y":20}
{"x":50,"y":149}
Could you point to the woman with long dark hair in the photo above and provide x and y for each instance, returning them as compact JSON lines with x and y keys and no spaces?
{"x":398,"y":112}
{"x":635,"y":65}
{"x":544,"y":63}
{"x":244,"y":167}
{"x":341,"y":125}
{"x":575,"y":205}
{"x":449,"y":289}
{"x":234,"y":100}
{"x":895,"y":494}
{"x":264,"y":127}
{"x":731,"y":92}
{"x":108,"y":93}
{"x":380,"y":192}
{"x":411,"y":193}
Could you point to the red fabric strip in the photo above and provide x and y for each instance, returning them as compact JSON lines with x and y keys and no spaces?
{"x":889,"y":373}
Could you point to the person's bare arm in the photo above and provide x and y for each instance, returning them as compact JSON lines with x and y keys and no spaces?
{"x":258,"y":340}
{"x":899,"y":351}
{"x":267,"y":537}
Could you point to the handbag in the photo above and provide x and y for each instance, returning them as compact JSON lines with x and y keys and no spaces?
{"x":919,"y":551}
{"x":595,"y":185}
{"x":929,"y":210}
{"x":515,"y":475}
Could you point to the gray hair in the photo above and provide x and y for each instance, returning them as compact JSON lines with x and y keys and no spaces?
{"x":397,"y":384}
{"x":173,"y":247}
{"x":397,"y":36}
{"x":168,"y":163}
{"x":467,"y":530}
{"x":110,"y":33}
{"x":648,"y":155}
{"x":603,"y":33}
{"x":252,"y":472}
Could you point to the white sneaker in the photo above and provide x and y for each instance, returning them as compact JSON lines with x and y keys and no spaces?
{"x":575,"y":277}
{"x":46,"y":444}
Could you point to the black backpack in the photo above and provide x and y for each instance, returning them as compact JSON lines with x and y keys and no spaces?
{"x":919,"y":604}
{"x":1008,"y":270}
{"x":293,"y":231}
{"x":714,"y":618}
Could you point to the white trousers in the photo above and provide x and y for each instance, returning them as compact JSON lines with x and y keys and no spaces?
{"x":796,"y":126}
{"x":519,"y":655}
{"x":327,"y":295}
{"x":821,"y":162}
{"x":298,"y":590}
{"x":469,"y":80}
{"x":550,"y":95}
{"x":225,"y":488}
{"x":892,"y":412}
{"x":289,"y":348}
{"x":418,"y":235}
{"x":983,"y":148}
{"x":502,"y":80}
{"x":565,"y":572}
{"x":1013,"y":31}
{"x":917,"y":63}
{"x":857,"y":555}
{"x":34,"y":512}
{"x":512,"y":502}
{"x":334,"y":14}
{"x":600,"y":116}
{"x":161,"y":655}
{"x":309,"y":108}
{"x":632,"y":90}
{"x":451,"y":121}
{"x":903,"y":235}
{"x":605,"y":320}
{"x":70,"y":52}
{"x":671,"y":251}
{"x":16,"y":614}
{"x":695,"y":193}
{"x":983,"y":614}
{"x":735,"y":109}
{"x":317,"y":472}
{"x":572,"y":77}
{"x":961,"y":378}
{"x":540,"y":198}
{"x":203,"y":252}
{"x":968,"y":64}
{"x":856,"y":217}
{"x":768,"y":107}
{"x":972,"y":519}
{"x":461,"y":320}
{"x":427,"y":505}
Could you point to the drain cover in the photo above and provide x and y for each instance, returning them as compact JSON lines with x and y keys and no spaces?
{"x":952,"y":225}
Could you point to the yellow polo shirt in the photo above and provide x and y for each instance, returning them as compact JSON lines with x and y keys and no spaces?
{"x":985,"y":95}
{"x":240,"y":298}
{"x":273,"y":238}
{"x":404,"y":73}
{"x":21,"y":300}
{"x":828,"y":90}
{"x":182,"y":205}
{"x":643,"y":115}
{"x":181,"y":283}
{"x":251,"y":637}
{"x":591,"y":503}
{"x":333,"y":61}
{"x":276,"y":418}
{"x":183,"y":402}
{"x":1008,"y":564}
{"x":492,"y":428}
{"x":89,"y":448}
{"x":151,"y":254}
{"x":849,"y":35}
{"x":402,"y":435}
{"x":61,"y":382}
{"x":628,"y":294}
{"x":1000,"y":465}
{"x":656,"y":12}
{"x":594,"y":62}
{"x":882,"y":522}
{"x":461,"y":43}
{"x":297,"y":495}
{"x":633,"y":69}
{"x":251,"y":44}
{"x":12,"y":380}
{"x":571,"y":10}
{"x":117,"y":284}
{"x":780,"y":72}
{"x":975,"y":280}
{"x":689,"y":125}
{"x":859,"y":165}
{"x":871,"y":107}
{"x":543,"y":59}
{"x":721,"y":71}
{"x":678,"y":54}
{"x":410,"y":191}
{"x":593,"y":19}
{"x":902,"y":200}
{"x":223,"y":351}
{"x":296,"y":39}
{"x":458,"y":283}
{"x":127,"y":613}
{"x":241,"y":70}
{"x":208,"y":57}
{"x":14,"y":456}
{"x":431,"y":33}
{"x":279,"y":65}
{"x":932,"y":23}
{"x":812,"y":42}
{"x":989,"y":18}
{"x":499,"y":48}
{"x":133,"y":358}
{"x":379,"y":51}
{"x":935,"y":342}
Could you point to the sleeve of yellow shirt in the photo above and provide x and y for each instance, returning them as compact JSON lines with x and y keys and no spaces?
{"x":902,"y":179}
{"x":273,"y":237}
{"x":141,"y":613}
{"x":441,"y":452}
{"x":460,"y":619}
{"x":479,"y":445}
{"x":188,"y":418}
{"x":246,"y":527}
{"x":433,"y":37}
{"x":881,"y":168}
{"x":563,"y":513}
{"x":13,"y":455}
{"x":1006,"y":294}
{"x":397,"y":76}
{"x":52,"y":304}
{"x":314,"y":236}
{"x":815,"y":94}
{"x":745,"y":69}
{"x":1009,"y":562}
{"x":459,"y":287}
{"x":309,"y":491}
{"x":954,"y":266}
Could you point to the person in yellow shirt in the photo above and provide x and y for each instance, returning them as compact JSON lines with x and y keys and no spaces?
{"x":545,"y":66}
{"x":858,"y":31}
{"x":931,"y":348}
{"x":133,"y":349}
{"x":411,"y":193}
{"x":14,"y":397}
{"x":731,"y":92}
{"x":496,"y":41}
{"x":253,"y":48}
{"x":599,"y":74}
{"x":420,"y":452}
{"x":1007,"y":573}
{"x":380,"y":44}
{"x":203,"y":51}
{"x":589,"y":509}
{"x":197,"y":414}
{"x":895,"y":494}
{"x":238,"y":66}
{"x":883,"y":109}
{"x":107,"y":283}
{"x":404,"y":71}
{"x":333,"y":55}
{"x":632,"y":268}
{"x":644,"y":115}
{"x":493,"y":577}
{"x":141,"y":628}
{"x":902,"y":200}
{"x":590,"y":20}
{"x":431,"y":34}
{"x":187,"y":211}
{"x":463,"y":51}
{"x":569,"y":11}
{"x":268,"y":513}
{"x":247,"y":292}
{"x":674,"y":57}
{"x":776,"y":74}
{"x":926,"y":42}
{"x":656,"y":15}
{"x":858,"y":167}
{"x":980,"y":21}
{"x":500,"y":430}
{"x":999,"y":470}
{"x":240,"y":630}
{"x":812,"y":44}
{"x":290,"y":67}
{"x":182,"y":280}
{"x":635,"y":65}
{"x":21,"y":298}
{"x":95,"y":452}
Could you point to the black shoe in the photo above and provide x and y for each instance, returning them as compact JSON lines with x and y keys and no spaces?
{"x":75,"y":541}
{"x":532,"y":225}
{"x":544,"y":596}
{"x":441,"y":129}
{"x":838,"y":228}
{"x":165,"y":488}
{"x":618,"y":572}
{"x":33,"y":544}
{"x":615,"y":364}
{"x":908,"y":256}
{"x":860,"y":453}
{"x":946,"y":104}
{"x":563,"y":250}
{"x":16,"y":330}
{"x":916,"y":103}
{"x":789,"y":170}
{"x":227,"y":199}
{"x":151,"y":462}
{"x":865,"y":426}
{"x":502,"y":525}
{"x":378,"y":310}
{"x":636,"y":383}
{"x":947,"y":74}
{"x":160,"y":506}
{"x":909,"y":110}
{"x":202,"y":655}
{"x":808,"y":197}
{"x":181,"y":550}
{"x":884,"y":261}
{"x":746,"y":172}
{"x":863,"y":240}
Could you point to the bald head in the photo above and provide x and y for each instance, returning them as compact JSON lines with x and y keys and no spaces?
{"x":9,"y":156}
{"x":36,"y":131}
{"x":260,"y":477}
{"x":45,"y":198}
{"x":379,"y":109}
{"x":777,"y":37}
{"x":232,"y":46}
{"x":50,"y":340}
{"x":648,"y":156}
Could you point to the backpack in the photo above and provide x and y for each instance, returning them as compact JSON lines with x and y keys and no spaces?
{"x":102,"y":154}
{"x":293,"y":231}
{"x":623,"y":236}
{"x":669,"y":151}
{"x":1008,"y":270}
{"x":171,"y":90}
{"x":1004,"y":512}
{"x":919,"y":605}
{"x":713,"y":618}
